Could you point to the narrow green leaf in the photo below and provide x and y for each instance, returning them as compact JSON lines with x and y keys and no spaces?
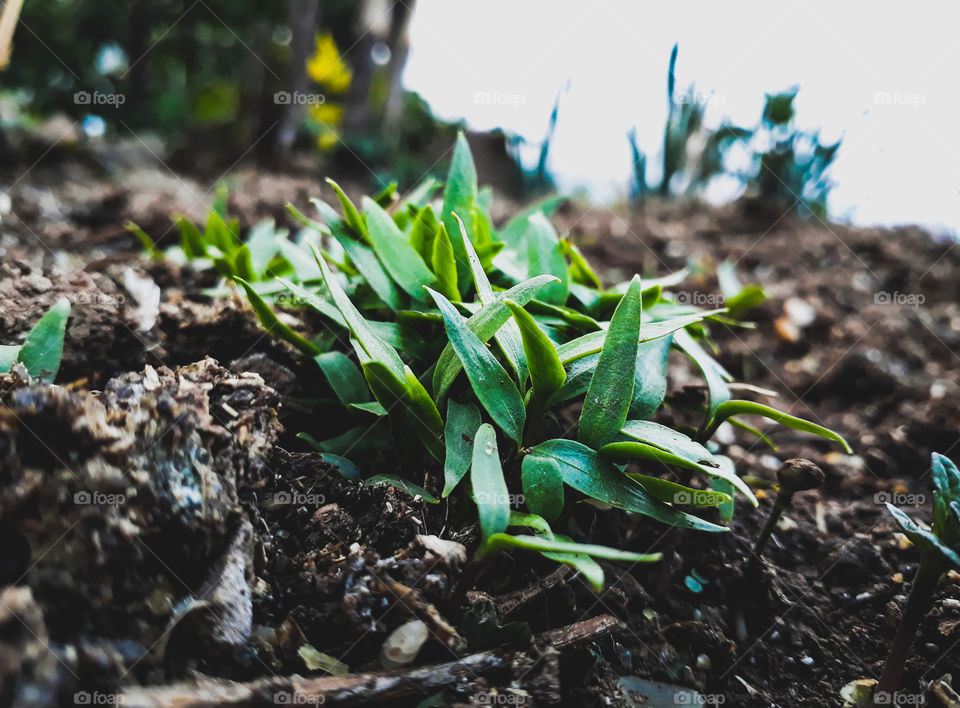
{"x":723,"y":485}
{"x":489,"y":380}
{"x":414,"y":490}
{"x":459,"y":195}
{"x":243,"y":263}
{"x":463,"y":420}
{"x":641,"y":451}
{"x":544,"y":255}
{"x":344,"y":467}
{"x":344,"y":377}
{"x":570,"y":317}
{"x":668,"y":439}
{"x":946,"y":476}
{"x":542,"y":486}
{"x":483,"y":323}
{"x":580,"y":270}
{"x":579,"y":373}
{"x":350,"y":214}
{"x":272,"y":323}
{"x":714,"y":374}
{"x":546,"y":372}
{"x":43,"y":348}
{"x":585,"y":471}
{"x":374,"y":408}
{"x":610,"y":392}
{"x":299,"y":259}
{"x":375,"y":347}
{"x":426,"y":417}
{"x":513,"y":232}
{"x":362,"y":257}
{"x":218,"y":233}
{"x":922,"y":538}
{"x":423,"y":232}
{"x":593,"y":342}
{"x":673,"y":493}
{"x":489,"y":487}
{"x":395,"y":253}
{"x":745,"y":300}
{"x":221,"y":194}
{"x":321,"y":305}
{"x":508,"y":336}
{"x":731,"y":408}
{"x":650,"y":378}
{"x":747,"y":428}
{"x":444,"y":264}
{"x":582,"y":563}
{"x":191,"y":240}
{"x":387,"y":195}
{"x":501,"y":541}
{"x":148,"y":243}
{"x":408,"y":397}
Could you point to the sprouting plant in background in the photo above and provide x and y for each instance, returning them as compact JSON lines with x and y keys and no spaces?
{"x":939,"y":548}
{"x":792,"y":168}
{"x":478,"y":351}
{"x":42,"y":349}
{"x":684,"y":118}
{"x":265,"y":253}
{"x":774,"y":161}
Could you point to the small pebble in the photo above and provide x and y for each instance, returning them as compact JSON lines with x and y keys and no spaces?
{"x":807,"y":661}
{"x":703,"y":662}
{"x":770,"y":462}
{"x":931,"y":649}
{"x":785,"y":524}
{"x":401,"y":647}
{"x":800,"y":312}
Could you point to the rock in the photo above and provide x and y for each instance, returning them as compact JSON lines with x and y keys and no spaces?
{"x":450,"y":552}
{"x":403,"y":644}
{"x":800,"y":312}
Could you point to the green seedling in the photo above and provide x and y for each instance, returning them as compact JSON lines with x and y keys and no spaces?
{"x":264,"y":254}
{"x":42,"y":350}
{"x":939,"y":548}
{"x":460,"y":349}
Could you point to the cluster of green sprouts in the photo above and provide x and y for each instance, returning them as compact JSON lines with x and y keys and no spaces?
{"x":467,"y":347}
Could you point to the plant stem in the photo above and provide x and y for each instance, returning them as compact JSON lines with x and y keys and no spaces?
{"x":918,"y":603}
{"x":467,"y":578}
{"x":784,"y":498}
{"x":671,"y":540}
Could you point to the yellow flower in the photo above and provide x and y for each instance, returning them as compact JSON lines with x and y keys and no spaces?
{"x":327,"y":67}
{"x":327,"y":113}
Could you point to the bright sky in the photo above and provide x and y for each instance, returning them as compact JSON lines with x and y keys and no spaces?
{"x":899,"y":161}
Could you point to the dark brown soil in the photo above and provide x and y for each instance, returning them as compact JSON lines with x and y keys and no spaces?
{"x":344,"y":568}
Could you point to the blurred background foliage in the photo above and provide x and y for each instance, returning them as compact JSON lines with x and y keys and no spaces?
{"x":227,"y":78}
{"x":774,"y":162}
{"x":287,"y":82}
